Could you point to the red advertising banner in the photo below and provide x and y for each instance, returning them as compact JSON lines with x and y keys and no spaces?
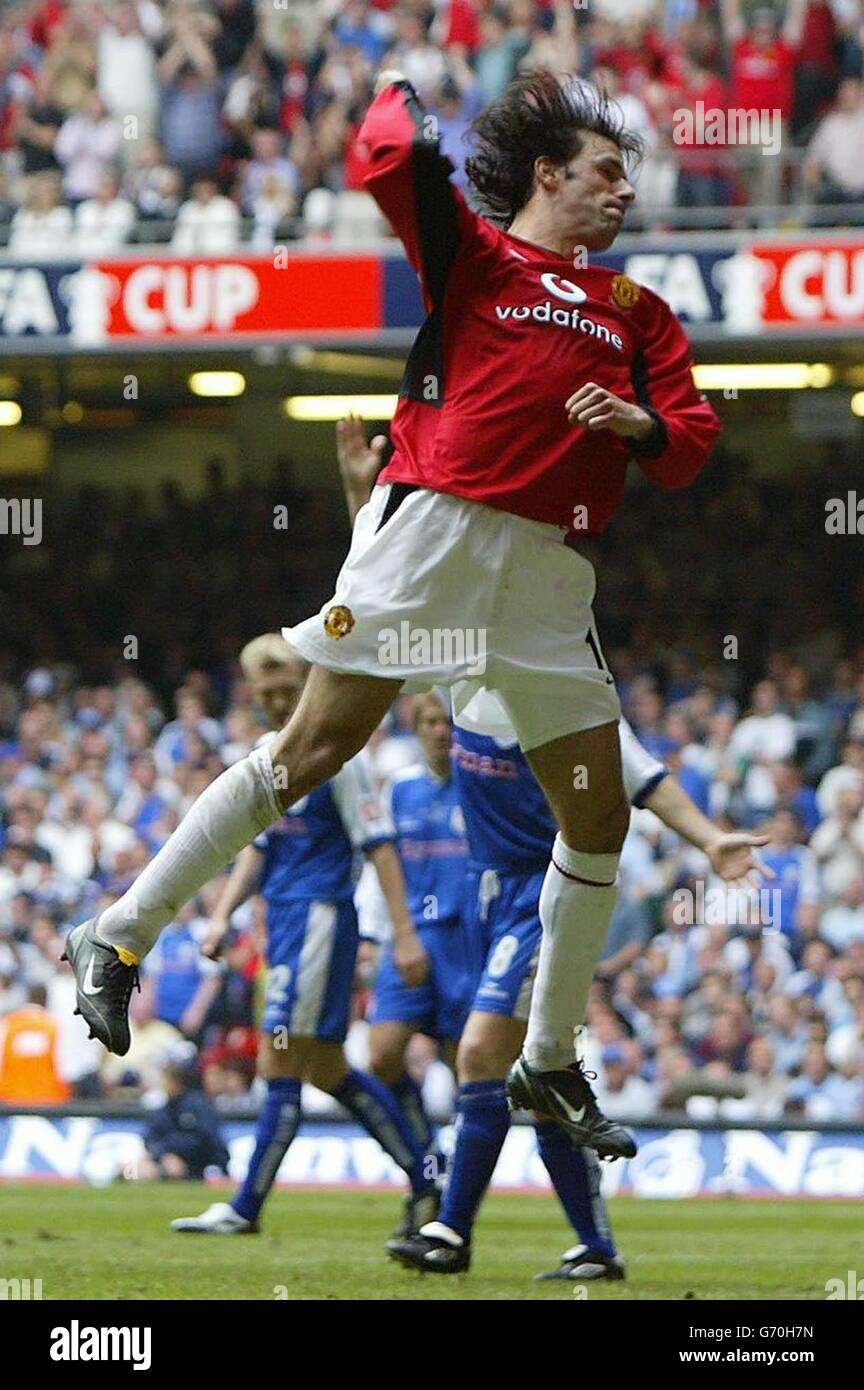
{"x":808,"y":284}
{"x":243,"y":296}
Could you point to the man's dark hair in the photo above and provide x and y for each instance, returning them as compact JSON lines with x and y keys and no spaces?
{"x":537,"y":115}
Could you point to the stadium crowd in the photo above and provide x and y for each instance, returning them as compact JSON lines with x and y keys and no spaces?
{"x":754,"y":1005}
{"x":215,"y":123}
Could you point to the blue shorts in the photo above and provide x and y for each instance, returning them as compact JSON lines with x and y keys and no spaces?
{"x":312,"y":951}
{"x":440,"y":1006}
{"x":504,"y":931}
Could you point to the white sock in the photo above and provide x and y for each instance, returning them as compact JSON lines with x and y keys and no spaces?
{"x":576,"y":905}
{"x":226,"y":816}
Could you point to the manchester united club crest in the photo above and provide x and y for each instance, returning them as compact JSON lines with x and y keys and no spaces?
{"x":338,"y":621}
{"x":625,"y":291}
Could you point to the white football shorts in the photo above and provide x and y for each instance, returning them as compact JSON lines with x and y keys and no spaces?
{"x":454,"y":593}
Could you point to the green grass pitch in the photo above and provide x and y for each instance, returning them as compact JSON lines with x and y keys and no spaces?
{"x":114,"y":1243}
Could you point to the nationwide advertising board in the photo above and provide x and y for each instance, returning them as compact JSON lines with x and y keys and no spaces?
{"x":671,"y":1163}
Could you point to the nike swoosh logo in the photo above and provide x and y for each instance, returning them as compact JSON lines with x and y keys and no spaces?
{"x":89,"y":985}
{"x":577,"y":1116}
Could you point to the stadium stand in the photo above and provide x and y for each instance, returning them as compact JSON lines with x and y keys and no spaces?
{"x":212,"y":125}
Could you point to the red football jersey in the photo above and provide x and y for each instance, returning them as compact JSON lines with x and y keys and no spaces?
{"x":512,"y":331}
{"x":763,"y":79}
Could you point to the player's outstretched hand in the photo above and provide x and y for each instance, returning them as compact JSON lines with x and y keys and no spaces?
{"x":411,"y":959}
{"x":359,"y":462}
{"x":732,"y":859}
{"x":595,"y":408}
{"x":214,"y":939}
{"x":386,"y":78}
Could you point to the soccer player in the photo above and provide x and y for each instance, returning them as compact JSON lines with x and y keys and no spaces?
{"x":302,"y":866}
{"x":430,"y":991}
{"x":534,"y":381}
{"x":509,"y":830}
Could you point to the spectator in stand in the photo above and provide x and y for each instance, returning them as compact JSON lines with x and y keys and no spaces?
{"x":126,"y":74}
{"x":624,"y":1092}
{"x":814,"y":737}
{"x":253,"y":101}
{"x":791,"y":793}
{"x":704,"y":170}
{"x":357,"y":26}
{"x":234,"y":31}
{"x":761,"y":739}
{"x":7,"y":207}
{"x":70,"y":58}
{"x":208,"y":224}
{"x":848,"y":774}
{"x":43,"y":226}
{"x":501,"y":50}
{"x":269,"y":164}
{"x":834,"y":167}
{"x":104,"y":223}
{"x":844,"y":922}
{"x":554,"y":48}
{"x":414,"y":53}
{"x":180,"y":985}
{"x":29,"y":1055}
{"x":796,"y":874}
{"x":36,"y":126}
{"x":838,"y":843}
{"x":762,"y":63}
{"x":845,"y":1046}
{"x":153,"y":186}
{"x":817,"y":979}
{"x":87,"y":146}
{"x":764,"y":1087}
{"x":192,"y":133}
{"x":272,"y":209}
{"x":454,"y":104}
{"x":822,"y":1094}
{"x":817,"y":68}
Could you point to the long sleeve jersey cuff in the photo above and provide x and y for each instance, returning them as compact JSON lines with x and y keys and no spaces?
{"x":656,"y":441}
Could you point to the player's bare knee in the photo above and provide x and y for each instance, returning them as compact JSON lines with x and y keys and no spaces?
{"x":478,"y":1059}
{"x":308,"y":757}
{"x":600,"y":827}
{"x":326,"y":1069}
{"x":387,"y":1064}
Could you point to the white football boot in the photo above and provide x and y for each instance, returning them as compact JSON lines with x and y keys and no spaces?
{"x":218,"y":1220}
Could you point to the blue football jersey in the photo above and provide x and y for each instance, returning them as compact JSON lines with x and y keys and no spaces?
{"x":508,"y":823}
{"x":430,"y":833}
{"x":507,"y":819}
{"x":309,"y":852}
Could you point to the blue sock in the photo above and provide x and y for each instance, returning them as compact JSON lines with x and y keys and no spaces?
{"x":376,"y":1108}
{"x":277,"y":1125}
{"x":410,"y":1097}
{"x":575,"y":1174}
{"x":481,"y":1128}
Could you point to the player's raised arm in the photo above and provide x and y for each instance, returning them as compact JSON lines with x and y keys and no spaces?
{"x":242,"y":881}
{"x":409,"y":179}
{"x":685,"y":426}
{"x":650,"y":783}
{"x":359,"y":462}
{"x":369,"y":827}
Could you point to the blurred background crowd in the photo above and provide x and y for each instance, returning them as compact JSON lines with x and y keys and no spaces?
{"x":212,"y":124}
{"x":753,"y":1006}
